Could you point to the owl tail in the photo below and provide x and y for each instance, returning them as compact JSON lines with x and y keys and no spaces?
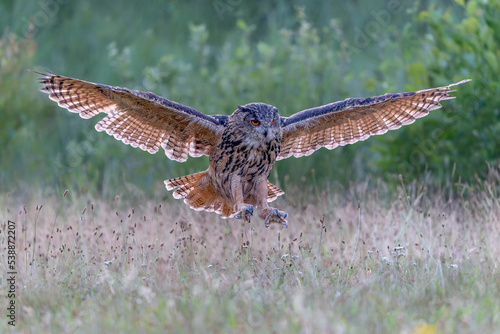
{"x":200,"y":194}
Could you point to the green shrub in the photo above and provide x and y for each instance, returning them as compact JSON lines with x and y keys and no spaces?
{"x":464,"y":136}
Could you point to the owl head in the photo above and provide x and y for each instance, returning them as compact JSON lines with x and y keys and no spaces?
{"x":258,"y":122}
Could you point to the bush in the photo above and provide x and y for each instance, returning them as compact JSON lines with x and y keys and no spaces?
{"x":463,"y":138}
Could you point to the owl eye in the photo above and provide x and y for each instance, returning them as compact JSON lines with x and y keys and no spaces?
{"x":272,"y":122}
{"x":255,"y":122}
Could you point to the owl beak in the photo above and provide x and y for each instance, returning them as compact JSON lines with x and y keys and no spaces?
{"x":266,"y":130}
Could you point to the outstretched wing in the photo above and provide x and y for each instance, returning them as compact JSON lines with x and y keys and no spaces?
{"x":352,"y":120}
{"x":141,"y":119}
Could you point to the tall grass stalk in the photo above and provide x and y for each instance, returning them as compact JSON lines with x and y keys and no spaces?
{"x":55,"y":221}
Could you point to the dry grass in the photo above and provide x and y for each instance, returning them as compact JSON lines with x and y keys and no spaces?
{"x":409,"y":260}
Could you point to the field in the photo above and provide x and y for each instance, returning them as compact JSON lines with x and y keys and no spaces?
{"x":373,"y":257}
{"x":101,"y":247}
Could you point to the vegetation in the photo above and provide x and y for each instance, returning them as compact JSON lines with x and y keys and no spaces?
{"x":395,"y":234}
{"x":409,"y":260}
{"x":293,"y":58}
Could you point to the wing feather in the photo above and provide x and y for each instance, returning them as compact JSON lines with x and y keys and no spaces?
{"x":140,"y":119}
{"x":346,"y":122}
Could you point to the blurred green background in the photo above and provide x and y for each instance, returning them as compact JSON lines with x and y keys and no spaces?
{"x":214,"y":55}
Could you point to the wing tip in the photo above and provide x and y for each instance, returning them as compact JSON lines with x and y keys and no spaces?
{"x":460,"y":82}
{"x":44,"y":75}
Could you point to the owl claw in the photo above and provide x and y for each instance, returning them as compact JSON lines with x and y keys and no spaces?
{"x":278,"y":217}
{"x":245,"y":213}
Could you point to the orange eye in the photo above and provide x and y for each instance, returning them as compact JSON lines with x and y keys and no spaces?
{"x":255,"y":122}
{"x":272,"y":122}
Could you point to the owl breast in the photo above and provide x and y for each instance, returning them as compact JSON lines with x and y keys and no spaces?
{"x":243,"y":159}
{"x":256,"y":161}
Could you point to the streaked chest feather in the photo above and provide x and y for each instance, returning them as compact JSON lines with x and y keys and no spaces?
{"x":244,"y":159}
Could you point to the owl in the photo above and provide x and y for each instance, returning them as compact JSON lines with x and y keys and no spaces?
{"x":242,"y":147}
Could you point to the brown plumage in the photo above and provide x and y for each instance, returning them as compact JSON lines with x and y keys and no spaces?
{"x":243,"y":147}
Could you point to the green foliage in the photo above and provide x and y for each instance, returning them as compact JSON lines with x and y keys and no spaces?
{"x":231,"y":53}
{"x":19,"y":120}
{"x":463,"y":137}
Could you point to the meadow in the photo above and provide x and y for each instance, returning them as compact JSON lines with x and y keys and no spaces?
{"x":373,"y":257}
{"x":397,"y":234}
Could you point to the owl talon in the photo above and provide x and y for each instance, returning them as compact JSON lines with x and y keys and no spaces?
{"x":246,"y":213}
{"x":277,"y":217}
